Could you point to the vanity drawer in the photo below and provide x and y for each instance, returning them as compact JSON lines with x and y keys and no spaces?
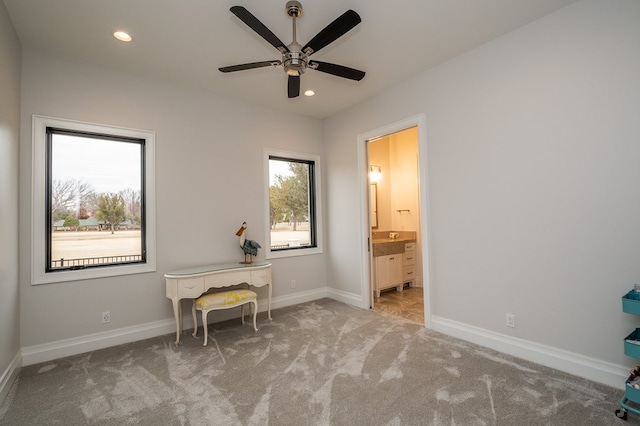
{"x":408,"y":273}
{"x":408,"y":258}
{"x":409,"y":246}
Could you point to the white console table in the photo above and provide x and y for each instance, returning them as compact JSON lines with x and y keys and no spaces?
{"x":191,"y":283}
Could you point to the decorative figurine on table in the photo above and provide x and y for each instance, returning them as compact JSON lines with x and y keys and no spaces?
{"x":249,"y":247}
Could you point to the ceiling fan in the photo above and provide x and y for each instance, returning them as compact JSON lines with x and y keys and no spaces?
{"x":295,"y":58}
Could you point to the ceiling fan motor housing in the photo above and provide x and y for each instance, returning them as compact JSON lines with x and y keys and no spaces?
{"x":294,"y":9}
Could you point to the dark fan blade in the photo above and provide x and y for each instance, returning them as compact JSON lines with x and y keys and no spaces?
{"x":339,"y":27}
{"x":294,"y":86}
{"x":338,"y":70}
{"x":257,"y":26}
{"x":249,"y":66}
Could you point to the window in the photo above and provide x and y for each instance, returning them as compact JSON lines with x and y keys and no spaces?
{"x":93,"y":203}
{"x":293,"y":199}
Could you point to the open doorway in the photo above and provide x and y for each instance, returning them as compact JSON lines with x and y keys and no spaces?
{"x":394,"y":199}
{"x":394,"y":205}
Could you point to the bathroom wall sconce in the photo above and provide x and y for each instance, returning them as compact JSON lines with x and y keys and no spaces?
{"x":375,"y":173}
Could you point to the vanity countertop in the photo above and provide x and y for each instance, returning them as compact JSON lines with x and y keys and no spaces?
{"x":384,"y":236}
{"x":384,"y":246}
{"x":393,"y":240}
{"x":388,"y":246}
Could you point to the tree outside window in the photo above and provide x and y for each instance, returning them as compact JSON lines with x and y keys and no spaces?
{"x":110,"y":210}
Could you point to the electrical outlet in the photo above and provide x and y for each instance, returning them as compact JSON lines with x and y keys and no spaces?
{"x":293,"y":283}
{"x":106,"y":317}
{"x":511,"y":320}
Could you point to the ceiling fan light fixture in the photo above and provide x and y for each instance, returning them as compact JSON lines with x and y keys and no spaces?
{"x":122,"y":36}
{"x":296,"y":68}
{"x":294,"y":62}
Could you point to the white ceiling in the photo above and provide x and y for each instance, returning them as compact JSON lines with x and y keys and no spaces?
{"x":186,"y":41}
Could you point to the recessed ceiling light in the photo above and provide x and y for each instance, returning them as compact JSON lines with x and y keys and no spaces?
{"x":309,"y":93}
{"x":122,"y":36}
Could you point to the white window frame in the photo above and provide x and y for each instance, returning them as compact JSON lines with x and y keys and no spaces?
{"x":39,"y":204}
{"x":269,"y":254}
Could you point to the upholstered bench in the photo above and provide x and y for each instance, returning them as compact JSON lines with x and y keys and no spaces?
{"x":223,"y":300}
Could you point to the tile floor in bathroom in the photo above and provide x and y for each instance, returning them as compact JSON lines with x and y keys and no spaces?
{"x":407,"y":303}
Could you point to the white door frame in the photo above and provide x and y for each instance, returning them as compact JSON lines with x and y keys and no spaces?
{"x":420,"y":122}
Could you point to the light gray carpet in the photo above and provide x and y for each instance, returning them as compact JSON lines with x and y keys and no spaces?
{"x":318,"y":363}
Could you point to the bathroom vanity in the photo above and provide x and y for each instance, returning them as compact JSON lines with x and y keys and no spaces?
{"x":394,"y":260}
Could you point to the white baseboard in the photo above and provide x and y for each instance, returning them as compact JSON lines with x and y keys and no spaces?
{"x":91,"y":342}
{"x":294,"y":299}
{"x":344,"y":297}
{"x":573,"y":363}
{"x":53,"y":350}
{"x":9,"y":375}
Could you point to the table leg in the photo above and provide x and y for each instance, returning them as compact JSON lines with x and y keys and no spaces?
{"x":269,"y":303}
{"x":177,"y":313}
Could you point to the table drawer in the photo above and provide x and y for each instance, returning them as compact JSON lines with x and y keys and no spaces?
{"x":190,"y":287}
{"x":261,"y":277}
{"x":409,"y":246}
{"x":227,"y":279}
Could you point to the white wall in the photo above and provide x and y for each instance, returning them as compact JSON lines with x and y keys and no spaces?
{"x":534,"y":179}
{"x":9,"y":156}
{"x":208,"y":180}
